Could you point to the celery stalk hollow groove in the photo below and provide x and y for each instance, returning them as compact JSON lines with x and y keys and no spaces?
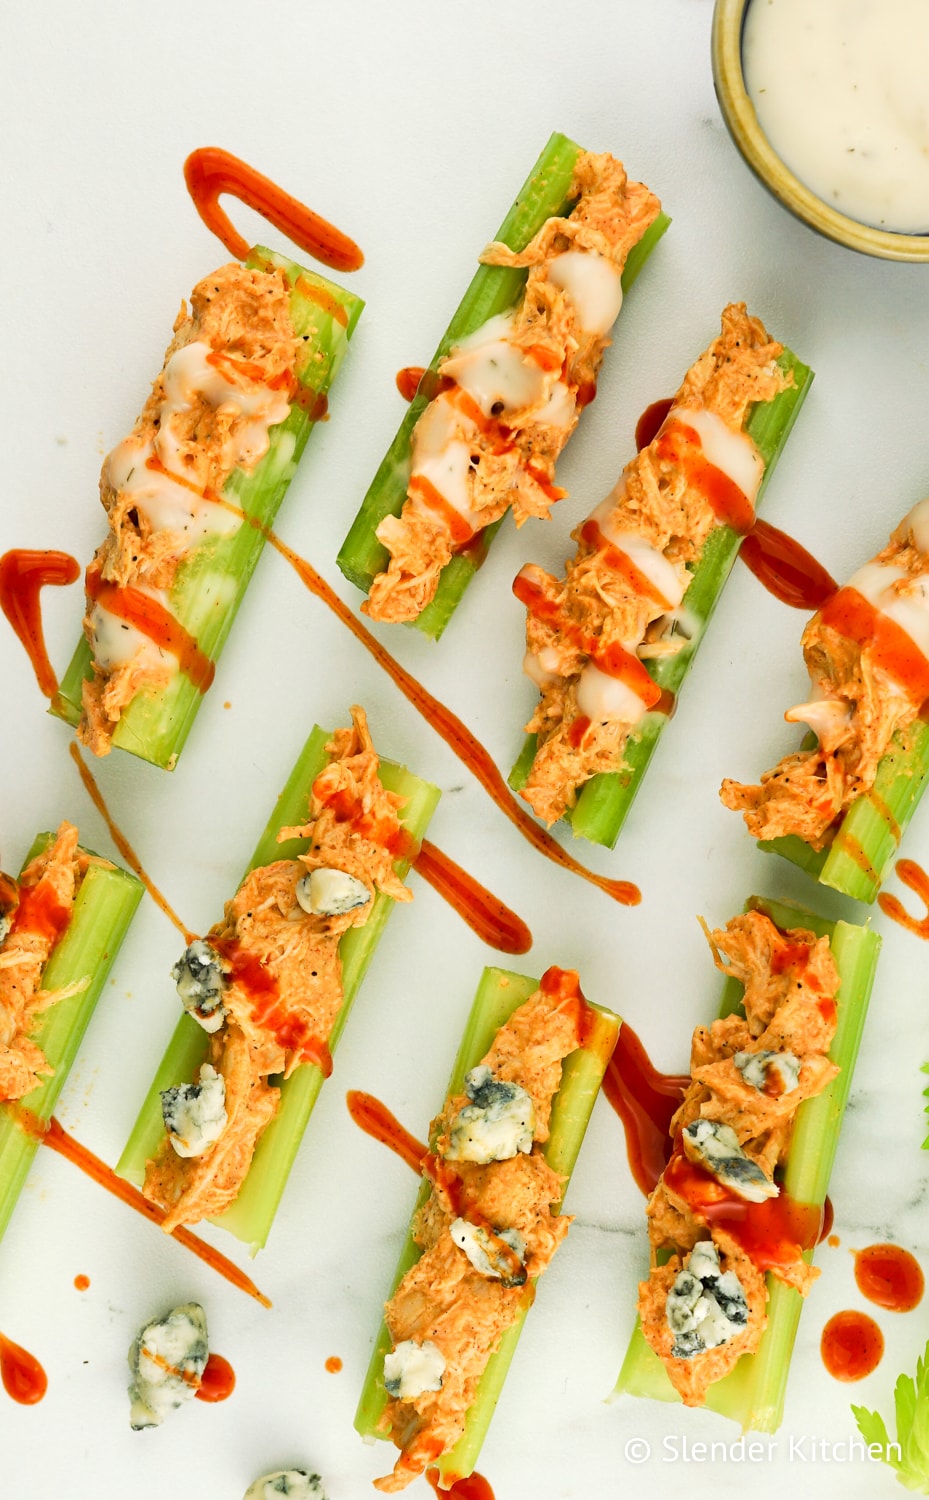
{"x":862,"y":849}
{"x":251,"y":1214}
{"x":493,"y":289}
{"x":604,"y":801}
{"x":211,"y":582}
{"x":753,"y":1393}
{"x":104,"y":906}
{"x":499,"y":994}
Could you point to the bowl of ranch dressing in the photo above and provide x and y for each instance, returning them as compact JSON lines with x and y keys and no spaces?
{"x":828,"y":102}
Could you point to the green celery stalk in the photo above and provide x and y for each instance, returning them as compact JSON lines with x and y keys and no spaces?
{"x":499,"y":994}
{"x":862,"y":850}
{"x":252,"y":1213}
{"x":211,"y":583}
{"x":753,"y":1393}
{"x":605,"y":800}
{"x":103,"y":908}
{"x":493,"y":290}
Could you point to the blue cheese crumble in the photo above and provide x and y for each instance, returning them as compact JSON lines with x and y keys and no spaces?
{"x":705,"y":1306}
{"x":167,"y":1360}
{"x":296,"y":1484}
{"x":498,"y":1123}
{"x":716,"y":1147}
{"x":195,"y":1113}
{"x":331,"y":893}
{"x":413,"y":1368}
{"x":201,"y":984}
{"x":756,"y":1066}
{"x":500,"y":1257}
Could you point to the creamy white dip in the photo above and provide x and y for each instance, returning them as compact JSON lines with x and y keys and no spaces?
{"x":840,"y":90}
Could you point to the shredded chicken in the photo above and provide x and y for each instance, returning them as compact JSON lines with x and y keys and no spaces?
{"x":38,"y":908}
{"x":284,"y":972}
{"x":512,"y":449}
{"x":857,"y":707}
{"x":443,"y":1298}
{"x":603,"y":607}
{"x":197,"y":436}
{"x":790,"y":981}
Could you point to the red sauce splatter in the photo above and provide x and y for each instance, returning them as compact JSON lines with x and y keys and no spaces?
{"x":916,"y":878}
{"x":156,"y":622}
{"x":484,"y":913}
{"x":408,"y":380}
{"x":851,"y":1345}
{"x":650,"y":422}
{"x":291,"y":1030}
{"x":123,"y":844}
{"x":376,"y":1120}
{"x":471,"y":1487}
{"x":828,"y":1221}
{"x":620,"y":562}
{"x":210,"y":171}
{"x":40,"y":912}
{"x":81,"y":1283}
{"x":611,"y":658}
{"x":785,"y":568}
{"x":679,"y":444}
{"x":24,"y":1379}
{"x":333,"y":1364}
{"x":772,"y":1233}
{"x":459,"y":738}
{"x":23,"y":573}
{"x":459,"y":529}
{"x":58,"y":1140}
{"x":889,"y":1276}
{"x":645,"y":1101}
{"x":892,"y":650}
{"x":218,"y":1380}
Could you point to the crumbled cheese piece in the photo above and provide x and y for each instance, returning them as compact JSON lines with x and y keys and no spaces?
{"x":498,"y":1123}
{"x":297,"y":1484}
{"x":331,"y":893}
{"x":499,"y":1261}
{"x":705,"y":1306}
{"x":201,"y":983}
{"x":755,"y":1068}
{"x":716,"y":1147}
{"x":167,"y":1360}
{"x":195,"y":1113}
{"x":413,"y":1368}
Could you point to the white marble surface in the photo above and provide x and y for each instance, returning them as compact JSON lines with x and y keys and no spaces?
{"x":411,"y":124}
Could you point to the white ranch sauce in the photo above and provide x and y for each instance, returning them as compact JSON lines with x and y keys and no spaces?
{"x":840,"y":90}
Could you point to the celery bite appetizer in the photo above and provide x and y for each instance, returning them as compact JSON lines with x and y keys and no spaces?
{"x":610,"y":645}
{"x":61,"y":926}
{"x":503,"y":394}
{"x":245,"y":378}
{"x":487,"y":1220}
{"x":838,"y":806}
{"x":738,"y":1210}
{"x":268,"y":990}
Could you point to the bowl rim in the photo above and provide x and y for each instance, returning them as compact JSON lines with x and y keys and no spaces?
{"x":738,"y":112}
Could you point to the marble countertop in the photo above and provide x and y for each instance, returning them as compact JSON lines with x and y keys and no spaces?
{"x":411,"y":125}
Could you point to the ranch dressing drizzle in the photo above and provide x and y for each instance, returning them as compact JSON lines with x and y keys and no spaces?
{"x":839,"y":88}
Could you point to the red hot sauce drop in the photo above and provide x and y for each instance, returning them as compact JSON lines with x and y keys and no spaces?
{"x":24,"y":1379}
{"x":889,"y":1276}
{"x":851,"y":1346}
{"x":23,"y":573}
{"x":218,"y":1380}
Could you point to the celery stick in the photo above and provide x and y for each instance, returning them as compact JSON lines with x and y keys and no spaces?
{"x":251,"y":1215}
{"x":753,"y":1393}
{"x":493,"y":290}
{"x":210,"y":585}
{"x":499,"y":994}
{"x":605,"y":800}
{"x":862,"y":849}
{"x":103,"y":908}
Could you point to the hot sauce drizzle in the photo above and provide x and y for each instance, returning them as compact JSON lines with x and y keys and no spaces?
{"x":894,"y":652}
{"x":771,"y":1233}
{"x":24,"y":1379}
{"x":889,"y":1276}
{"x":23,"y":573}
{"x":916,"y":878}
{"x":217,"y":1382}
{"x":210,"y":171}
{"x":645,"y":1101}
{"x":455,"y":734}
{"x":376,"y":1120}
{"x":785,"y":568}
{"x":851,"y":1345}
{"x":408,"y":379}
{"x":58,"y":1140}
{"x":123,"y":844}
{"x":484,"y":913}
{"x":473,"y":1487}
{"x":154,"y":621}
{"x":651,"y":422}
{"x":680,"y":445}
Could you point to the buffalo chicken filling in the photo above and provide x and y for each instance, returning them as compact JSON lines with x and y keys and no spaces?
{"x":703,"y":1305}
